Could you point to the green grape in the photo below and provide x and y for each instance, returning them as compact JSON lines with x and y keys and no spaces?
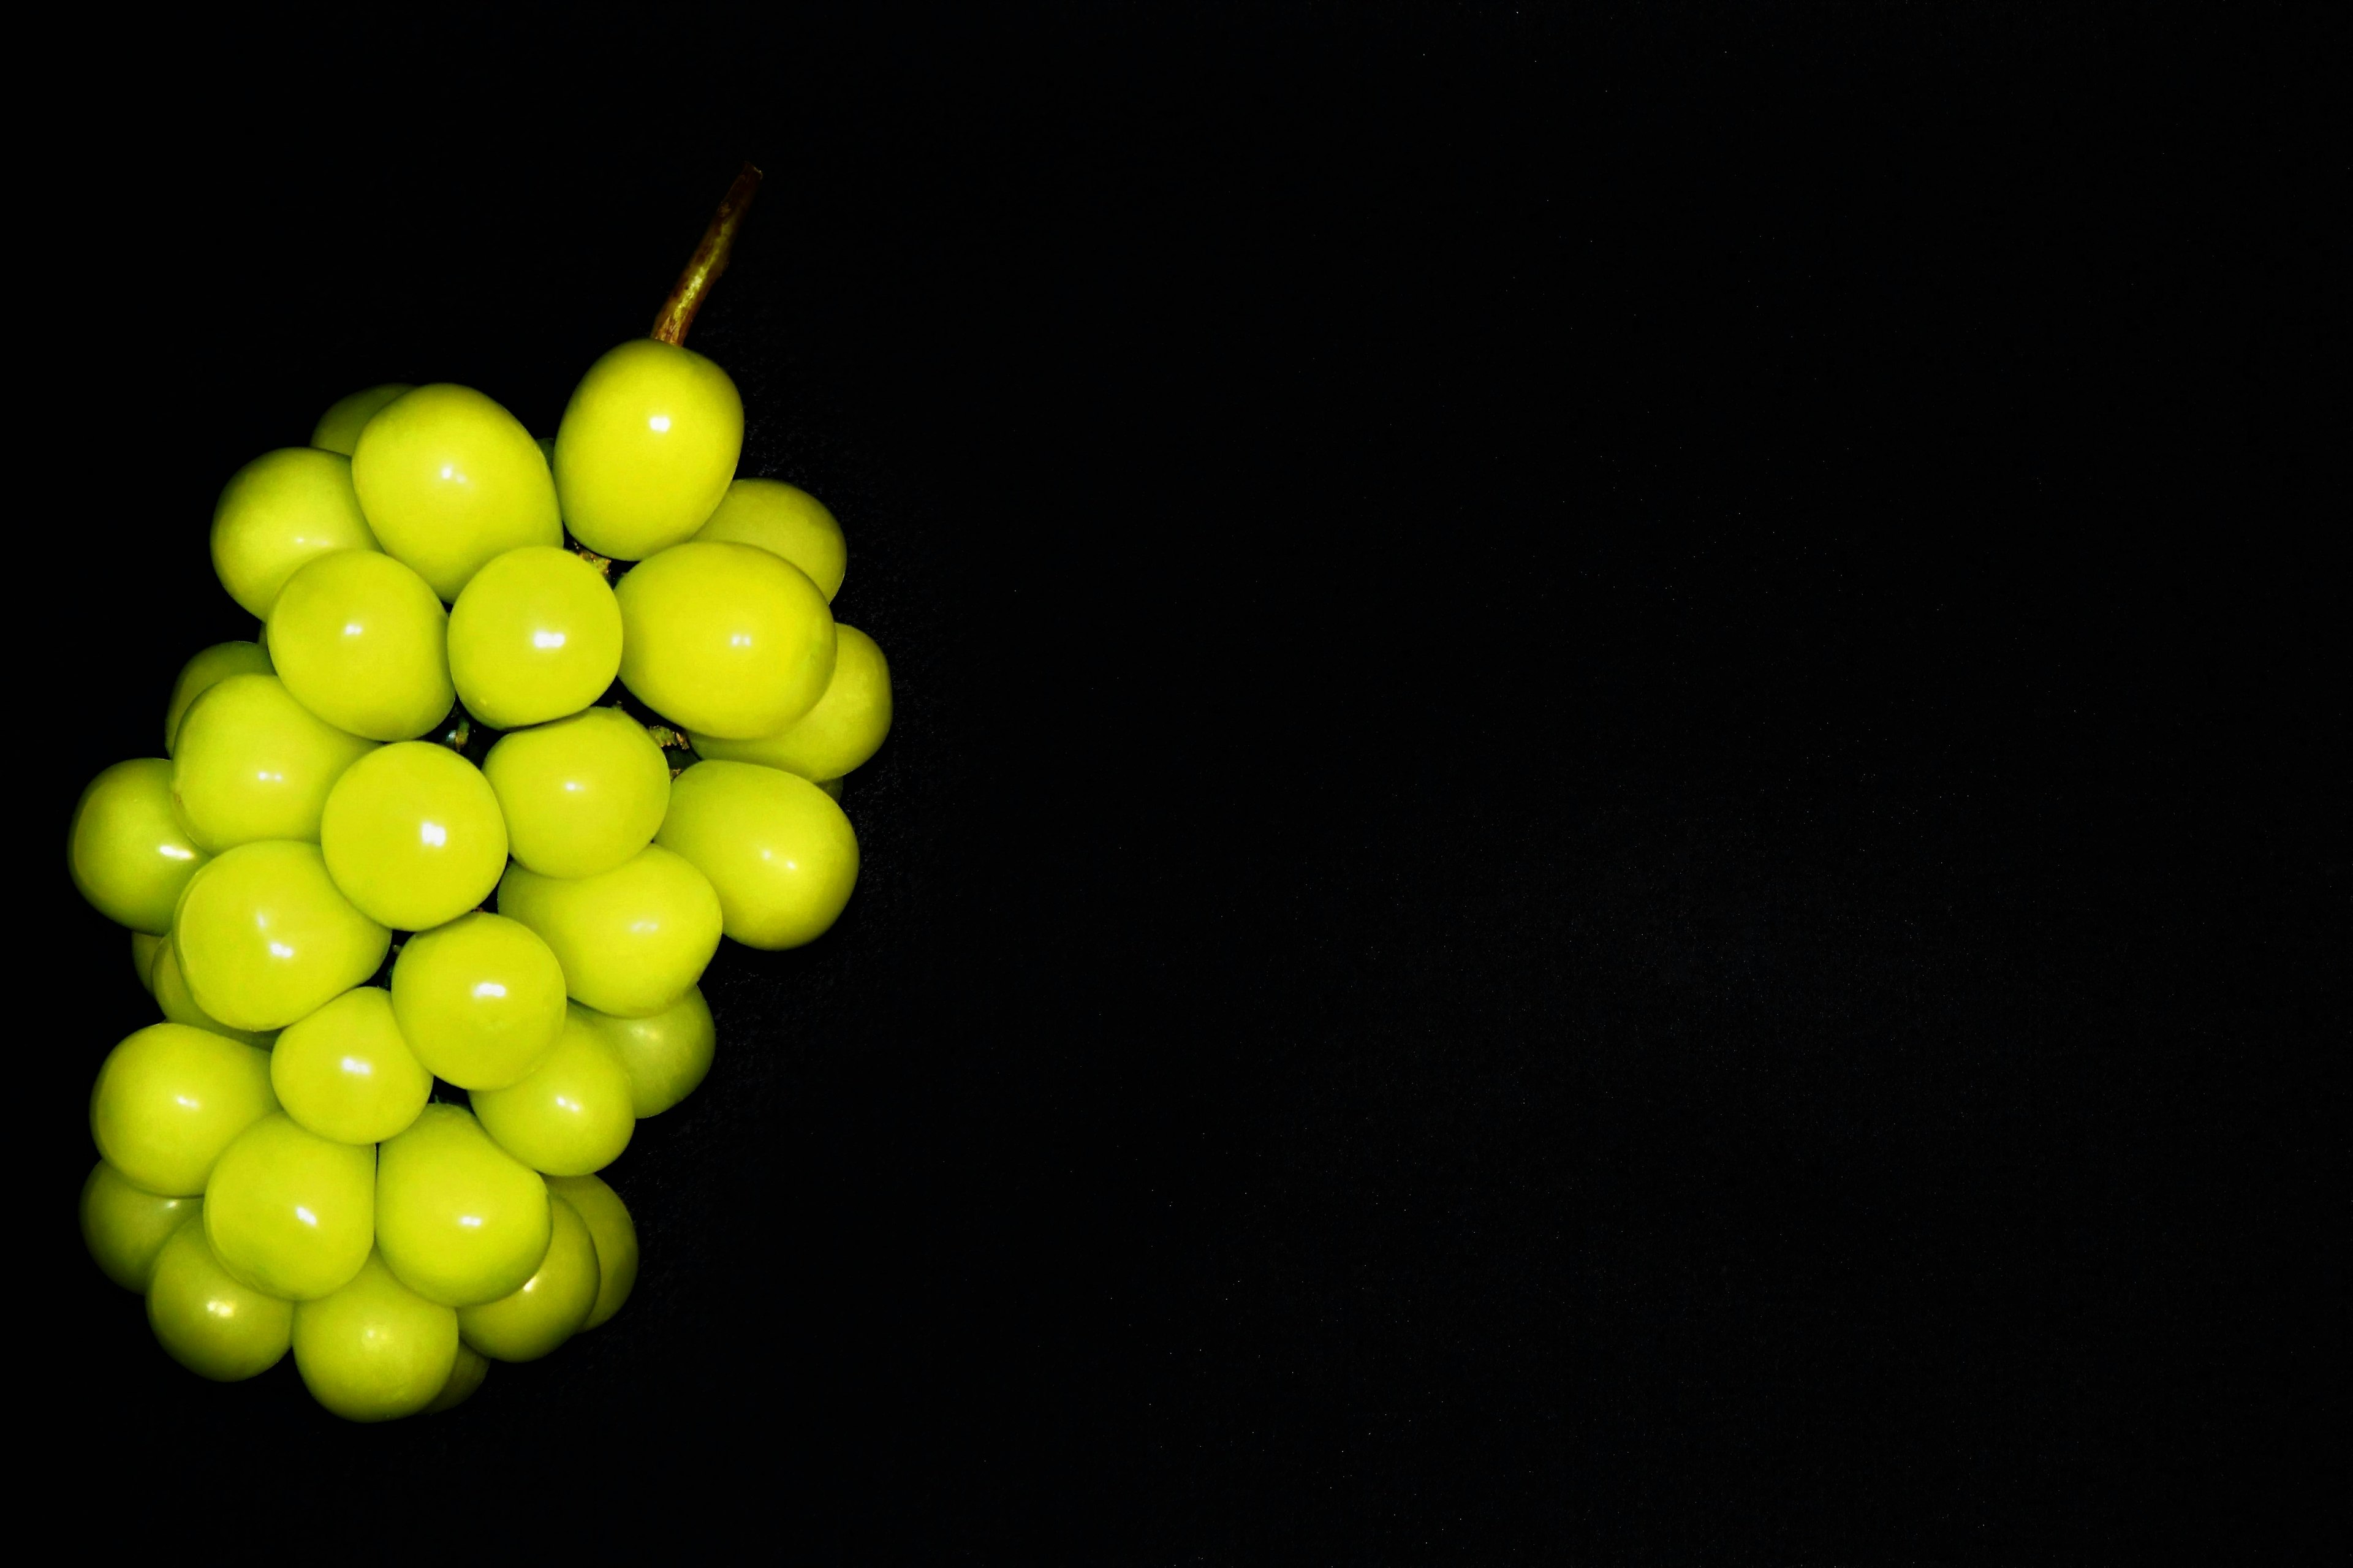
{"x":278,"y":513}
{"x":832,"y":788}
{"x":208,"y":1320}
{"x":169,"y":1099}
{"x":125,"y":1227}
{"x":668,"y":1054}
{"x":580,"y":796}
{"x":339,"y":427}
{"x":360,"y":641}
{"x":129,"y":855}
{"x":458,"y":1218}
{"x":535,"y":636}
{"x":572,"y":1114}
{"x":615,"y":1234}
{"x":375,"y":1350}
{"x":481,"y":1000}
{"x":345,"y":1071}
{"x":647,"y":446}
{"x":449,"y":480}
{"x":782,"y":519}
{"x":553,"y":1305}
{"x":725,"y":640}
{"x":263,"y":936}
{"x":777,"y":849}
{"x":291,"y":1213}
{"x":630,"y":940}
{"x":546,"y":445}
{"x":179,"y":1003}
{"x":845,"y":728}
{"x":465,"y":1376}
{"x":254,"y":763}
{"x":144,"y":949}
{"x":207,"y":670}
{"x":413,"y":835}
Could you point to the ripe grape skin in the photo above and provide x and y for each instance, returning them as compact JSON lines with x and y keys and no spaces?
{"x":458,"y":1219}
{"x":668,"y":1054}
{"x":375,"y":1350}
{"x":290,"y":1212}
{"x":630,"y":940}
{"x":264,"y":937}
{"x":778,"y":851}
{"x":465,"y":1376}
{"x":169,"y":1099}
{"x":206,"y":1320}
{"x":125,"y":1227}
{"x":725,"y":640}
{"x":480,"y":998}
{"x":572,"y":1114}
{"x":449,"y":480}
{"x":535,"y":636}
{"x":847,"y":725}
{"x":207,"y":670}
{"x":345,"y":1071}
{"x":126,"y":848}
{"x":254,"y":763}
{"x":786,"y":520}
{"x":278,"y":513}
{"x":551,"y":1306}
{"x":179,"y":1004}
{"x":413,"y":836}
{"x":360,"y":640}
{"x":647,"y":448}
{"x":616,"y":1236}
{"x":339,"y":427}
{"x":581,"y":795}
{"x":144,"y":949}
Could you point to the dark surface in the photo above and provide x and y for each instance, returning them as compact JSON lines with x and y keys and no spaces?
{"x":1612,"y":836}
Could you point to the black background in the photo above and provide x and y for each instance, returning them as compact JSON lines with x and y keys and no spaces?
{"x":1613,"y":835}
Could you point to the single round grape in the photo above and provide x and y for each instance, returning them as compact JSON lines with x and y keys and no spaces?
{"x":169,"y":1099}
{"x":264,"y":937}
{"x":449,"y":480}
{"x":782,"y":519}
{"x":413,"y":835}
{"x":144,"y":949}
{"x":551,"y":1306}
{"x":481,"y":1000}
{"x":254,"y":763}
{"x":780,"y":853}
{"x":360,"y":641}
{"x":206,"y":1319}
{"x":668,"y":1054}
{"x":648,"y":445}
{"x":207,"y":670}
{"x":535,"y":636}
{"x":725,"y":640}
{"x":459,"y":1219}
{"x":581,"y":795}
{"x":179,"y":1003}
{"x":630,"y":940}
{"x":291,"y":1213}
{"x":845,"y":728}
{"x":375,"y":1350}
{"x":466,"y":1375}
{"x":278,"y":514}
{"x":129,"y":855}
{"x":572,"y":1114}
{"x":339,"y":427}
{"x":615,"y":1234}
{"x":347,"y":1073}
{"x":125,"y":1227}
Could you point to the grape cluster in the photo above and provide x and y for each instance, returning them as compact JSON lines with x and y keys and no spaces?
{"x":418,"y":836}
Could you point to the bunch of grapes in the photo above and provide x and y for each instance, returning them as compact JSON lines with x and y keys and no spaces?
{"x":429,"y":871}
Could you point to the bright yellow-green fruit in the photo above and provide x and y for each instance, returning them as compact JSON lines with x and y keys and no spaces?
{"x":125,"y":1227}
{"x":206,"y":1319}
{"x":144,"y":949}
{"x":179,"y":1004}
{"x":553,"y":1305}
{"x":481,"y":1000}
{"x":615,"y":1234}
{"x":459,"y":1219}
{"x":375,"y":1350}
{"x":668,"y":1054}
{"x":346,"y":1072}
{"x":360,"y":641}
{"x":647,"y":446}
{"x":465,"y":1376}
{"x":264,"y":937}
{"x":169,"y":1099}
{"x":449,"y":480}
{"x":845,"y":728}
{"x":581,"y":795}
{"x":278,"y":513}
{"x":290,"y":1212}
{"x":778,"y":850}
{"x":252,"y":763}
{"x":572,"y":1114}
{"x":339,"y":427}
{"x":413,"y":835}
{"x":207,"y":670}
{"x":630,"y":940}
{"x":128,"y":853}
{"x":724,"y":639}
{"x":782,"y":519}
{"x":535,"y":636}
